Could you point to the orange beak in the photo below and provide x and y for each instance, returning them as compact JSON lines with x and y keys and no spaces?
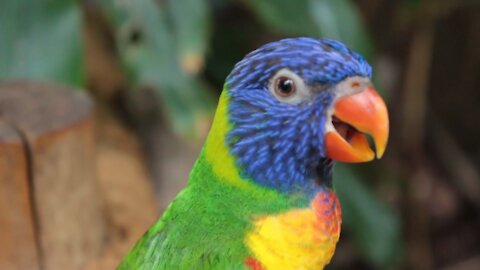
{"x":354,"y":116}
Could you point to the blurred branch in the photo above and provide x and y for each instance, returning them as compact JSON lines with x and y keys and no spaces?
{"x":415,"y":89}
{"x":438,"y":9}
{"x":412,"y":140}
{"x":419,"y":189}
{"x":472,"y":263}
{"x":464,"y":173}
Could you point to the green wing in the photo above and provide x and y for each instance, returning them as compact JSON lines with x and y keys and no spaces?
{"x":146,"y":252}
{"x":186,"y":237}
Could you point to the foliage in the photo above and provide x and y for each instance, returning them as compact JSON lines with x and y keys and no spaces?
{"x":375,"y":228}
{"x":41,"y":41}
{"x":336,"y":19}
{"x":161,"y":49}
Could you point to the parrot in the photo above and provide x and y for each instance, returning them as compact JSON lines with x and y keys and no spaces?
{"x":260,"y":194}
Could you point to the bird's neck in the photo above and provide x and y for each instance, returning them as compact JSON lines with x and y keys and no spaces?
{"x":223,"y":164}
{"x":221,"y":190}
{"x":216,"y":152}
{"x":274,"y":230}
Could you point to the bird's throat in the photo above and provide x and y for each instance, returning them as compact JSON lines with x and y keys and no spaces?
{"x":324,"y":172}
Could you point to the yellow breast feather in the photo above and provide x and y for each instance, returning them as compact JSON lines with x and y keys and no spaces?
{"x":300,"y":239}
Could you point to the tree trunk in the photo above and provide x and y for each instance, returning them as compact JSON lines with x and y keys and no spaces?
{"x":50,"y":205}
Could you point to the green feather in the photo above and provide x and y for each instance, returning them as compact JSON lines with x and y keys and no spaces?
{"x":204,"y":227}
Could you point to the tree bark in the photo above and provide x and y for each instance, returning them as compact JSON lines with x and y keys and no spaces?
{"x":50,"y":173}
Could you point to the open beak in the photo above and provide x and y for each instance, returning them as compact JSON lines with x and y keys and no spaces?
{"x":354,"y":117}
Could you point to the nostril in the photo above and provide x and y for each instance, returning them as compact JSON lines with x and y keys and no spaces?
{"x":355,"y":84}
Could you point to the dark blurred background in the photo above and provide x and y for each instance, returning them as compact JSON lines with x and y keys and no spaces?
{"x":155,"y":69}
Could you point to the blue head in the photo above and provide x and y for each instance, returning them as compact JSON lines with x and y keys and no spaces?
{"x":280,"y":106}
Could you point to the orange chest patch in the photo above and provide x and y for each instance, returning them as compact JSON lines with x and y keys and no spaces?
{"x":298,"y":239}
{"x":328,"y":216}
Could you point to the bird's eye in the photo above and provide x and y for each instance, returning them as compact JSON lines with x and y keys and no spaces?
{"x":288,"y":87}
{"x":284,"y":86}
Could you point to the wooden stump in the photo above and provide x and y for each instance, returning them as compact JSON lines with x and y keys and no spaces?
{"x":50,"y":209}
{"x":17,"y":239}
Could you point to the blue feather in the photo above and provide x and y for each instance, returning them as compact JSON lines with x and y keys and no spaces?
{"x":276,"y":144}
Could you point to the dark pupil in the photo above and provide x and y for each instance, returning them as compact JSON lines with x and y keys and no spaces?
{"x":285,"y":86}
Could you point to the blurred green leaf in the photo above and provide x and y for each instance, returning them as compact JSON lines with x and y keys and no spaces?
{"x":339,"y":19}
{"x":336,"y":19}
{"x":191,"y":26}
{"x":41,"y":40}
{"x":285,"y":16}
{"x":375,"y":229}
{"x":150,"y":54}
{"x":412,"y":5}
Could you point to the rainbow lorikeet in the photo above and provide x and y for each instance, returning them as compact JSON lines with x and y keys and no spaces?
{"x":260,"y":194}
